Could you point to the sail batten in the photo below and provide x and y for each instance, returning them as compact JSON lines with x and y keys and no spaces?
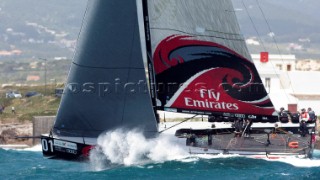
{"x":204,"y":35}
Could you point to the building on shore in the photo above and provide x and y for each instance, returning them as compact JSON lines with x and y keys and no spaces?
{"x":287,"y":86}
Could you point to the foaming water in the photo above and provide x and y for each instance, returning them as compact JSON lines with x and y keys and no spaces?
{"x":294,"y":161}
{"x":301,"y":162}
{"x":199,"y":157}
{"x":298,"y":162}
{"x":118,"y":148}
{"x":36,"y":148}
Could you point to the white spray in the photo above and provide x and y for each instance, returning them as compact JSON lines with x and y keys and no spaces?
{"x":132,"y":148}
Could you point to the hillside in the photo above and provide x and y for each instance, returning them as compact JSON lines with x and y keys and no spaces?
{"x":289,"y":19}
{"x":20,"y":123}
{"x":34,"y":71}
{"x":33,"y":28}
{"x":294,"y":25}
{"x":40,"y":28}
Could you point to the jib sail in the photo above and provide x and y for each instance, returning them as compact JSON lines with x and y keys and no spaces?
{"x":201,"y":62}
{"x":106,"y":86}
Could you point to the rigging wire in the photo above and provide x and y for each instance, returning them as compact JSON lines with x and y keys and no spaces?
{"x":254,"y":26}
{"x":187,"y":119}
{"x":274,"y":40}
{"x":78,"y":37}
{"x":263,"y":45}
{"x":74,"y":54}
{"x":81,"y":27}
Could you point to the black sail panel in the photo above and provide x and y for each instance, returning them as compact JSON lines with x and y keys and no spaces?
{"x":106,"y":86}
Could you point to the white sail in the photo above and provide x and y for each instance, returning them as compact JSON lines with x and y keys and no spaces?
{"x":210,"y":20}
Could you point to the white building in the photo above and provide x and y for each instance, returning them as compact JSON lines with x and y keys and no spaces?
{"x":286,"y":85}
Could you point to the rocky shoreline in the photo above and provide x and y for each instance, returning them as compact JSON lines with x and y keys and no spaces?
{"x":8,"y":132}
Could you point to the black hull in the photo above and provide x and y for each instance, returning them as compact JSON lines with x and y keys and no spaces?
{"x":61,"y":149}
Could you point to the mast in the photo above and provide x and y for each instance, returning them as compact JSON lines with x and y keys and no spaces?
{"x":152,"y":83}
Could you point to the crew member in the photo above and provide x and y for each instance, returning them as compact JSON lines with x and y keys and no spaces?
{"x":304,"y":116}
{"x":247,"y":127}
{"x":303,"y":128}
{"x":312,"y":115}
{"x":238,"y":124}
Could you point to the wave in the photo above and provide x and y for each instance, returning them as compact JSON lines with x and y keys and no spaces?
{"x":298,"y":162}
{"x":36,"y":148}
{"x":132,"y":148}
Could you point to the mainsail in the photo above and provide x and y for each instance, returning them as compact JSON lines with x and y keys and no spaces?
{"x":106,"y":86}
{"x":201,"y":62}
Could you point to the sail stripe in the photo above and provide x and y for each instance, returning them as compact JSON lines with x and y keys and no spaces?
{"x":184,"y":86}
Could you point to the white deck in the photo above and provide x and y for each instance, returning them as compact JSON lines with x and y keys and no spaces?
{"x":173,"y":126}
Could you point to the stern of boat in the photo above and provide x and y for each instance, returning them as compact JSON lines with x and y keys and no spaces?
{"x":56,"y":148}
{"x":270,"y":141}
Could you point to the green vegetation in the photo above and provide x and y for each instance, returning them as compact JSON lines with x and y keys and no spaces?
{"x":41,"y":105}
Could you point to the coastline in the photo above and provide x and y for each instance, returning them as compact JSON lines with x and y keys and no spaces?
{"x":10,"y":130}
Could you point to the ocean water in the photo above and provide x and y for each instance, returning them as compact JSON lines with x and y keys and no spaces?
{"x":29,"y":164}
{"x":130,"y":156}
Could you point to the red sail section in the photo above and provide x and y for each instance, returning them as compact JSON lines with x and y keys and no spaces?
{"x":205,"y":93}
{"x":203,"y":76}
{"x":162,"y":60}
